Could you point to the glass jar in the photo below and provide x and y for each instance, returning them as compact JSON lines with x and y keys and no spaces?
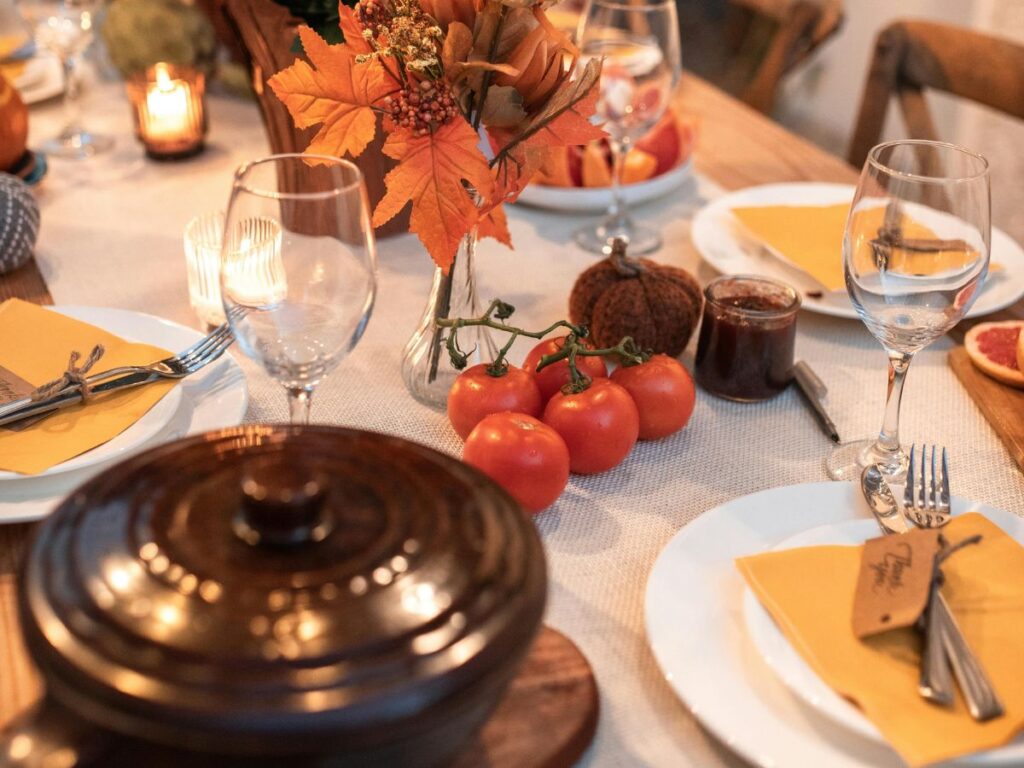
{"x":747,"y":337}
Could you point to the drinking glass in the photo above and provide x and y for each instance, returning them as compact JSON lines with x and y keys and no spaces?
{"x":297,"y":268}
{"x":639,"y":42}
{"x":65,"y":27}
{"x":915,"y":254}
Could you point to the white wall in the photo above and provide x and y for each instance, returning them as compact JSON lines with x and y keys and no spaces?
{"x":821,"y":100}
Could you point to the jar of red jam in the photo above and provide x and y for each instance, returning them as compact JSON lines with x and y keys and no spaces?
{"x":747,"y":337}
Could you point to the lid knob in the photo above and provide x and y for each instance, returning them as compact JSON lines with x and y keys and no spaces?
{"x":282,"y":504}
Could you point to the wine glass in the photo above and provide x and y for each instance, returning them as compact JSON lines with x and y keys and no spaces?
{"x":915,"y":254}
{"x":65,"y":27}
{"x":297,"y":268}
{"x":639,"y":42}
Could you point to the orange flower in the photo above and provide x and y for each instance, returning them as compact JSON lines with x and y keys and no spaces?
{"x":447,"y":11}
{"x":543,"y":59}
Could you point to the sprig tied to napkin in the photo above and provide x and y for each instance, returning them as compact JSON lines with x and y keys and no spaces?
{"x":34,"y":348}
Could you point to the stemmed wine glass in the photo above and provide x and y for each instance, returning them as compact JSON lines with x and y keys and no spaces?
{"x":915,"y":254}
{"x":639,"y":42}
{"x":65,"y":27}
{"x":297,"y":268}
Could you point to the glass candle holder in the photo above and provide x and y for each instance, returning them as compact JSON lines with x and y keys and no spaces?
{"x":168,"y":104}
{"x":256,"y":250}
{"x":747,"y":338}
{"x":203,"y":237}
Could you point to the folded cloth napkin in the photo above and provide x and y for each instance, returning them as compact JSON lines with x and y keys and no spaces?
{"x":35,"y":344}
{"x":985,"y":590}
{"x":810,"y":237}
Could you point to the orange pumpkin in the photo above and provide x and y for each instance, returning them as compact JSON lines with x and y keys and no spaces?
{"x":13,"y":125}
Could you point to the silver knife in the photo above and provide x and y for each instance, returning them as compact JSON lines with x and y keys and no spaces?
{"x":73,"y":397}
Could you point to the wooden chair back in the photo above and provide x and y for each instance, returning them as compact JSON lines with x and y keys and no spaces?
{"x":800,"y":28}
{"x":266,"y":33}
{"x":911,"y":56}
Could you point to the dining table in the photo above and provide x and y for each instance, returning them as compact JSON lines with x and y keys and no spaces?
{"x":111,"y":236}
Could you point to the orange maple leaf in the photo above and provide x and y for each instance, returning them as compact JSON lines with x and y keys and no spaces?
{"x":352,"y":30}
{"x":336,"y":91}
{"x":564,"y":121}
{"x":494,"y":224}
{"x":430,"y":173}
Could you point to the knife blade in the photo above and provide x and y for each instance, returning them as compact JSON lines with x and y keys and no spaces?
{"x":73,"y":397}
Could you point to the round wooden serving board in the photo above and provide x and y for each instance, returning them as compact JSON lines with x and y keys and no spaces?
{"x":548,"y":715}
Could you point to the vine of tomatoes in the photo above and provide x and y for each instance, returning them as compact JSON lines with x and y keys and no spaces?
{"x":528,"y":427}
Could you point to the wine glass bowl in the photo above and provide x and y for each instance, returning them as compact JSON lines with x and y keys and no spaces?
{"x":297,"y":268}
{"x":915,"y":256}
{"x":639,"y":45}
{"x":66,"y":29}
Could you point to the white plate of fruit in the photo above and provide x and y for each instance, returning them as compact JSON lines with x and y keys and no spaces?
{"x":578,"y":178}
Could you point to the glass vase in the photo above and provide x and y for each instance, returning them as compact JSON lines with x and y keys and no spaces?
{"x":426,"y":368}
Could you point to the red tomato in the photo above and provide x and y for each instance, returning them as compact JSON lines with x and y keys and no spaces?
{"x":521,"y":454}
{"x":551,"y":379}
{"x":476,"y":394}
{"x":663,"y":392}
{"x":600,"y":425}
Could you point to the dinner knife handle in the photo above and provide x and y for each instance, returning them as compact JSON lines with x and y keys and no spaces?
{"x":73,"y":397}
{"x":982,"y":700}
{"x":935,"y":683}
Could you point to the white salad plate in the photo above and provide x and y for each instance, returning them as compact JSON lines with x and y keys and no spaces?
{"x":42,"y":79}
{"x":694,"y":613}
{"x":718,"y":238}
{"x":214,"y":398}
{"x":597,"y":199}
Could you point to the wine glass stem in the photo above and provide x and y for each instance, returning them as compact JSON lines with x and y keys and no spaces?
{"x":72,"y":91}
{"x":617,"y":217}
{"x":888,"y":442}
{"x":299,"y":400}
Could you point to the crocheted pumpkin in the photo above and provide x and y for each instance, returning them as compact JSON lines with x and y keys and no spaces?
{"x":19,"y":222}
{"x":659,"y":306}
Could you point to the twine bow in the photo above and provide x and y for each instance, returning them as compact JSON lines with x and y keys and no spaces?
{"x":74,"y":376}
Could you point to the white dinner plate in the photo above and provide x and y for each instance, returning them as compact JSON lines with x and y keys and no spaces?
{"x":214,"y":398}
{"x":719,"y":241}
{"x":597,"y":199}
{"x":797,"y":674}
{"x":694,"y":617}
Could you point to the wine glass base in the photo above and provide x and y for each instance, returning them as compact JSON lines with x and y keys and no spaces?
{"x":77,"y":145}
{"x":598,"y":239}
{"x":847,"y":460}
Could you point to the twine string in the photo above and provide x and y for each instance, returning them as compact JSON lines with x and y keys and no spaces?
{"x":74,"y":376}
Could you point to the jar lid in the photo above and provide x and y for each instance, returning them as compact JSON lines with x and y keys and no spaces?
{"x":294,"y":581}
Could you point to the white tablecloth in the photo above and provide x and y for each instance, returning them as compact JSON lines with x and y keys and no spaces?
{"x":111,"y":236}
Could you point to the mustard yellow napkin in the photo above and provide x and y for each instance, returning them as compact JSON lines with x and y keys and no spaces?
{"x":985,"y":589}
{"x":35,"y":344}
{"x":811,"y":238}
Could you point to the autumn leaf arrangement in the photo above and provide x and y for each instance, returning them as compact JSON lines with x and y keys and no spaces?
{"x":440,"y":76}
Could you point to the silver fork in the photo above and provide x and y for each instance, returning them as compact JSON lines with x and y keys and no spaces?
{"x":926,"y":504}
{"x":188,"y":361}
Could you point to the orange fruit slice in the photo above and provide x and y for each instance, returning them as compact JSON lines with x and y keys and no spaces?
{"x":995,"y":348}
{"x":639,"y":166}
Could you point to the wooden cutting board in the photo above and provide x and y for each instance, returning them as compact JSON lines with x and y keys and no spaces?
{"x":1002,"y":406}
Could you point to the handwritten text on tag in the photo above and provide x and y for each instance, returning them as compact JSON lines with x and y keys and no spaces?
{"x":892,"y":585}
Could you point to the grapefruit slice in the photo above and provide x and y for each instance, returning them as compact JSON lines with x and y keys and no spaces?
{"x":995,"y":348}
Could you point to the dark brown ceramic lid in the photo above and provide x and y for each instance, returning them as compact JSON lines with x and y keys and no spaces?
{"x":162,"y":596}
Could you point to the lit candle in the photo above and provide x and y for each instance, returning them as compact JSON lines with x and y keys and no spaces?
{"x":170,"y":118}
{"x":167,"y":105}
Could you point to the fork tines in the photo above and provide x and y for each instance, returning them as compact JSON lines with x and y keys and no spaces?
{"x":926,"y":495}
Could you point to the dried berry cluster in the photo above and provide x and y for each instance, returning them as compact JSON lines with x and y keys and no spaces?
{"x":374,"y":15}
{"x":422,"y":106}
